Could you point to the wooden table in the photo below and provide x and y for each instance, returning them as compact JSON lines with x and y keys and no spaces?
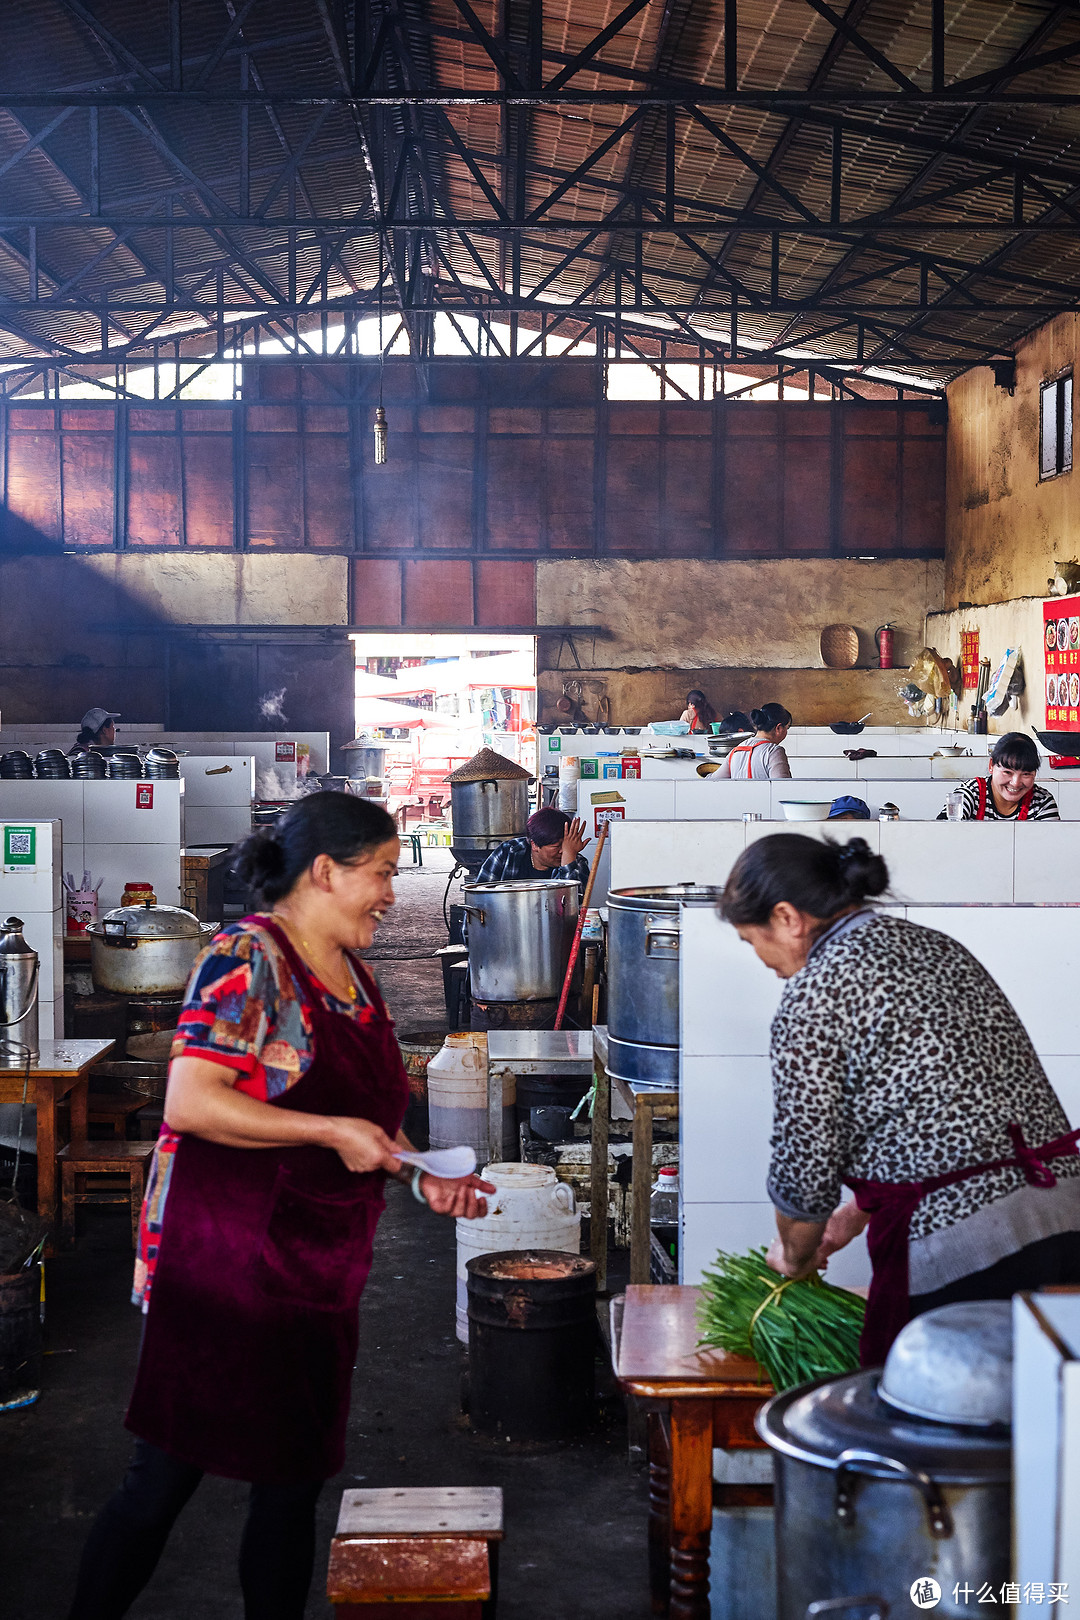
{"x":62,"y":1070}
{"x":645,"y":1103}
{"x":696,"y":1399}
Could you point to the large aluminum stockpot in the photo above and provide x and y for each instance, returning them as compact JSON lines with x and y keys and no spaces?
{"x":643,"y":963}
{"x":488,"y":812}
{"x":871,"y":1500}
{"x":146,"y":950}
{"x":520,"y":936}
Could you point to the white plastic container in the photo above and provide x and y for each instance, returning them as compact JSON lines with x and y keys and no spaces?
{"x":458,"y":1096}
{"x":532,"y":1210}
{"x":568,"y":780}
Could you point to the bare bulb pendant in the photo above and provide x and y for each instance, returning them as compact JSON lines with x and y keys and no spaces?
{"x":382,"y":436}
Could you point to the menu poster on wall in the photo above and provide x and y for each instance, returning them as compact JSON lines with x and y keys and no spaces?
{"x":1061,"y":641}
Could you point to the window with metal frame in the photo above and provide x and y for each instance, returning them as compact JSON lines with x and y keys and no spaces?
{"x":1055,"y":427}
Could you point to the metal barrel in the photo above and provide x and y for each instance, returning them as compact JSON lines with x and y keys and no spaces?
{"x":532,"y":1344}
{"x":20,"y":1331}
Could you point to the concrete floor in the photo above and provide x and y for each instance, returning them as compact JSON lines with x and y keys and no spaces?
{"x":576,"y":1517}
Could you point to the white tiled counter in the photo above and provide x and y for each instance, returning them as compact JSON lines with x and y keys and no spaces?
{"x":117,"y":830}
{"x":35,"y":893}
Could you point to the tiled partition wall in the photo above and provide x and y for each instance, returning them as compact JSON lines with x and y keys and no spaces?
{"x":810,"y":742}
{"x":930,"y":863}
{"x":202,"y":742}
{"x":708,"y":803}
{"x":36,"y":895}
{"x":109,"y":832}
{"x":728,"y":1000}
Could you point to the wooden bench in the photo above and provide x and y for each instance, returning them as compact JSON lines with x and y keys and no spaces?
{"x":118,"y":1168}
{"x":434,"y":1549}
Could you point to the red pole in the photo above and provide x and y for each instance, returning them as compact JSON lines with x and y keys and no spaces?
{"x":575,"y":947}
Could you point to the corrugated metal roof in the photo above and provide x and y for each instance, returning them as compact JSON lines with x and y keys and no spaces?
{"x":936,"y":286}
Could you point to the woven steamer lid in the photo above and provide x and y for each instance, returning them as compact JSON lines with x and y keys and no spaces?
{"x":839,"y":646}
{"x":488,"y":766}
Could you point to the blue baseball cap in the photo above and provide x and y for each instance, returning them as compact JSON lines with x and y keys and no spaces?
{"x":845,"y":805}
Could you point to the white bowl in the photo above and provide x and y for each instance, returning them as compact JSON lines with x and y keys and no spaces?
{"x":806,"y":809}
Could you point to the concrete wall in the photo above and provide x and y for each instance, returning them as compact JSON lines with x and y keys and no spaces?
{"x":744,"y":632}
{"x":1018,"y":623}
{"x":1005,"y":528}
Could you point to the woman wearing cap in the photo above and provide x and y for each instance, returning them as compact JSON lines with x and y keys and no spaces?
{"x":97,"y":731}
{"x":283,"y":1119}
{"x":902,"y":1071}
{"x":763,"y":757}
{"x":551,"y":848}
{"x":1009,"y":791}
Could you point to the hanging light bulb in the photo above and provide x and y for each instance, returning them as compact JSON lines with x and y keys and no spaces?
{"x":382,"y":435}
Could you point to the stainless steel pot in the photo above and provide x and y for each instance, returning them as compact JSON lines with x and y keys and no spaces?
{"x":487,"y":813}
{"x":519,"y":937}
{"x":869,"y":1501}
{"x":643,"y":978}
{"x":146,"y":950}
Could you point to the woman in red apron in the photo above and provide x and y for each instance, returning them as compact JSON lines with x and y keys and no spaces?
{"x":763,"y":757}
{"x":901,"y":1070}
{"x":1009,"y":791}
{"x":283,"y":1118}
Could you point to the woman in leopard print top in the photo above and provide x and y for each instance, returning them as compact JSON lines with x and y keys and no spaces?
{"x":901,"y":1069}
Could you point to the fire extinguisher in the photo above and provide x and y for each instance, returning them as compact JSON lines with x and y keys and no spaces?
{"x":883,"y":641}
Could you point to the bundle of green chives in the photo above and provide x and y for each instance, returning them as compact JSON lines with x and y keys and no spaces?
{"x":796,"y":1330}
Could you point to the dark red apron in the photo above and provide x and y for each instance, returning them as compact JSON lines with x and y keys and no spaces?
{"x":982,"y":788}
{"x":251,"y":1332}
{"x":891,"y":1204}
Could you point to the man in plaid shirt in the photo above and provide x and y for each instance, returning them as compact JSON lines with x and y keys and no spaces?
{"x":551,"y":848}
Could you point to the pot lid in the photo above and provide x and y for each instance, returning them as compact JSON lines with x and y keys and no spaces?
{"x":817,"y":1423}
{"x":149,"y":922}
{"x":523,"y":885}
{"x":954,"y":1365}
{"x":488,"y":766}
{"x":667,"y":897}
{"x":11,"y":939}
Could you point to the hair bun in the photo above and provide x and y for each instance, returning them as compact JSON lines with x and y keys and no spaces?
{"x":757,"y":717}
{"x":861,"y":872}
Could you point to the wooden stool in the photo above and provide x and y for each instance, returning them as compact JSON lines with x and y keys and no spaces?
{"x":434,"y":1549}
{"x":113,"y":1108}
{"x":124,"y":1163}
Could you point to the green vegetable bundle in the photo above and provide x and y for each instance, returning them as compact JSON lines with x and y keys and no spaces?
{"x":797,"y":1330}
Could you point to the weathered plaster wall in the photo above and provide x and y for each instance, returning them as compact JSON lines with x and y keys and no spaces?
{"x":1005,"y":529}
{"x":1018,"y":623}
{"x":81,"y":630}
{"x":744,"y":632}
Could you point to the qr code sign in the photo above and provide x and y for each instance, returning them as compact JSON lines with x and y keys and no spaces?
{"x":21,"y":843}
{"x":20,"y":848}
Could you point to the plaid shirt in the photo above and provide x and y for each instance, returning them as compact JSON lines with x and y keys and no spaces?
{"x":512,"y":863}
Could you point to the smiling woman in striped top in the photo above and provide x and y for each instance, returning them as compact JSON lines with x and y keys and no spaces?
{"x":1009,"y":792}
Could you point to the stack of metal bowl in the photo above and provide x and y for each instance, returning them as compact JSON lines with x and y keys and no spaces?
{"x":88,"y":766}
{"x":52,"y":764}
{"x":162,"y":765}
{"x":124,"y":765}
{"x":16,"y":766}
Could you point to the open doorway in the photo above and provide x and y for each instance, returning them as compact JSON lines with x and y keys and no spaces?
{"x":425,"y":703}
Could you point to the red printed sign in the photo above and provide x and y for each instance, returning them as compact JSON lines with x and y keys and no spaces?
{"x":144,"y":795}
{"x":285,"y":753}
{"x":1061,"y":640}
{"x":969,"y":659}
{"x":607,"y":812}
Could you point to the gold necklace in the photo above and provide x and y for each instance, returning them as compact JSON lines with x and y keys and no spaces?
{"x":351,"y":993}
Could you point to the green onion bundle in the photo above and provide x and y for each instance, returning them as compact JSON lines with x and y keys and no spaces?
{"x":796,"y":1330}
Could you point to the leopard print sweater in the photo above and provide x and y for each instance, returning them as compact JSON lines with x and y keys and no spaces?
{"x":896,"y":1057}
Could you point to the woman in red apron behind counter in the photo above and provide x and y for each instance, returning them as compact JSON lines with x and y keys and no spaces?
{"x":764,"y":756}
{"x":901,"y":1070}
{"x":284,"y":1106}
{"x":1008,"y":792}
